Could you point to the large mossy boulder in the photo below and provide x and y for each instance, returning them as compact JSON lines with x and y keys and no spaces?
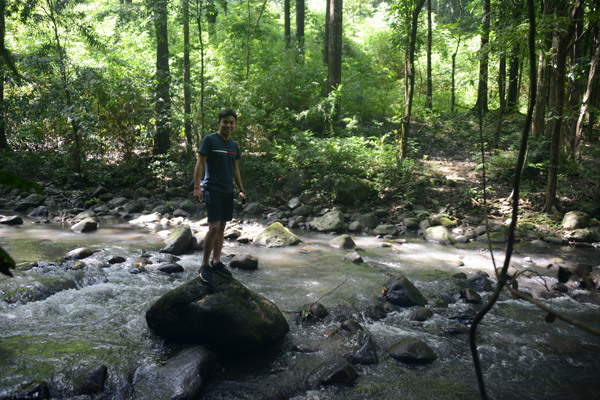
{"x":333,"y":221}
{"x":225,"y":316}
{"x":276,"y":235}
{"x":399,"y":290}
{"x":575,"y":220}
{"x":438,"y":234}
{"x":179,"y":241}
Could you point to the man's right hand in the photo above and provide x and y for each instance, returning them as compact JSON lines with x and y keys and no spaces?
{"x":198,"y":195}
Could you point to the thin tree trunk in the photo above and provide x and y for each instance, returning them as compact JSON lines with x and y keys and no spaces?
{"x":410,"y":81}
{"x":287,"y":23}
{"x":560,"y":40}
{"x":334,"y":64}
{"x":573,"y":90}
{"x":501,"y":90}
{"x":300,"y":7}
{"x":202,"y":77}
{"x":3,"y":141}
{"x":429,"y":101}
{"x":162,"y":140}
{"x":584,"y":113}
{"x":327,"y":33}
{"x":187,"y":80}
{"x":512,"y":101}
{"x":482,"y":90}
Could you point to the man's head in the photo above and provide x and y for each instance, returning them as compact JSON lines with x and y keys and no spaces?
{"x":227,"y":123}
{"x":226,"y":113}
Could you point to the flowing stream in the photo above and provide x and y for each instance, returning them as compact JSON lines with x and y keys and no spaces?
{"x":101,"y":320}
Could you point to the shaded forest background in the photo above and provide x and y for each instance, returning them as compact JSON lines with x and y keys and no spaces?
{"x":120,"y":92}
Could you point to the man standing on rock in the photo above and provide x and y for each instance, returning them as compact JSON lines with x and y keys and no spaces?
{"x":217,"y":166}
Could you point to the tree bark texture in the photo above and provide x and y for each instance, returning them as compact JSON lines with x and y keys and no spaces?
{"x":187,"y":80}
{"x":482,"y":90}
{"x":162,"y":109}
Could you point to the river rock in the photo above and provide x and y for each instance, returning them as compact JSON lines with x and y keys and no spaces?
{"x":253,"y":208}
{"x":368,"y":220}
{"x":176,"y":192}
{"x":354,"y":191}
{"x":39,"y":212}
{"x":401,"y":292}
{"x":354,"y":257}
{"x":90,"y":381}
{"x":362,"y":348}
{"x":87,"y":225}
{"x":470,"y":296}
{"x":341,"y":374}
{"x":343,"y":242}
{"x":142,"y":192}
{"x":11,"y":220}
{"x":293,"y":203}
{"x":588,"y":235}
{"x":333,"y":221}
{"x":117,"y":202}
{"x":171,"y":268}
{"x":276,"y":235}
{"x":495,"y":237}
{"x":31,"y":201}
{"x":79,"y":253}
{"x":36,"y":287}
{"x":225,"y":316}
{"x":304,"y":210}
{"x":178,"y":242}
{"x":575,"y":220}
{"x":245,"y":262}
{"x":438,"y":234}
{"x":412,"y":351}
{"x":181,"y":377}
{"x":385,"y":229}
{"x":411,"y":223}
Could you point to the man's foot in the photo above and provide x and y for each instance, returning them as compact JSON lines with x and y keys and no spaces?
{"x":221,"y":269}
{"x":206,"y":273}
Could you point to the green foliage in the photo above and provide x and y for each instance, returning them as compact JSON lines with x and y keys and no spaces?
{"x":333,"y":161}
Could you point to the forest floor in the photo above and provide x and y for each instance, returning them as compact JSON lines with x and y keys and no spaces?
{"x":449,"y":160}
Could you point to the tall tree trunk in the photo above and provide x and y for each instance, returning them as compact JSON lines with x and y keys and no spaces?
{"x":573,"y":88}
{"x":199,"y":13}
{"x":334,"y":64}
{"x":560,"y":40}
{"x":501,"y":90}
{"x":3,"y":141}
{"x":482,"y":89}
{"x":300,"y":7}
{"x":162,"y":108}
{"x":287,"y":22}
{"x":187,"y":80}
{"x":585,"y":114}
{"x":512,"y":101}
{"x":327,"y":31}
{"x":429,"y":100}
{"x":410,"y":80}
{"x":211,"y":17}
{"x":539,"y":113}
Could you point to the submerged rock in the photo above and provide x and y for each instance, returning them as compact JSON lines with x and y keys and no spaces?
{"x":90,"y":381}
{"x":224,"y":315}
{"x":412,"y":351}
{"x":181,"y":377}
{"x":401,"y":292}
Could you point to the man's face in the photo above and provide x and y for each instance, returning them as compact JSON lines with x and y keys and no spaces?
{"x":227,"y":125}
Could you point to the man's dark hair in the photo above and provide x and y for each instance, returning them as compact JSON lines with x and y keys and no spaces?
{"x":226,"y":113}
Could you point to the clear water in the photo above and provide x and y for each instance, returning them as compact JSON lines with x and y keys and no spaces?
{"x":101,"y":320}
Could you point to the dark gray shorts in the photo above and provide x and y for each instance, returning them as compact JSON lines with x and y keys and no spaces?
{"x":219,"y":206}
